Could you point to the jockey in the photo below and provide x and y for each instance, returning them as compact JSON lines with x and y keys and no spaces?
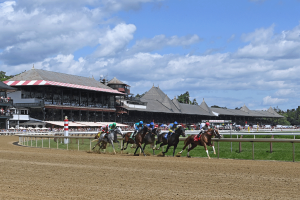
{"x":112,"y":126}
{"x":172,"y":128}
{"x":204,"y":128}
{"x":138,"y":126}
{"x":151,"y":125}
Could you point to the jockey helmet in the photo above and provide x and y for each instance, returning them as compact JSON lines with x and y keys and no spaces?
{"x":207,"y":124}
{"x":156,"y":126}
{"x":175,"y":122}
{"x":114,"y":124}
{"x":152,"y":123}
{"x":141,"y":122}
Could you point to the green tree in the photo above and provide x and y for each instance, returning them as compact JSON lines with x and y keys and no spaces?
{"x":3,"y":76}
{"x":184,"y":98}
{"x":194,"y":102}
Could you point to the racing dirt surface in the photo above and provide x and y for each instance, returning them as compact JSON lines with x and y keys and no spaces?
{"x":35,"y":173}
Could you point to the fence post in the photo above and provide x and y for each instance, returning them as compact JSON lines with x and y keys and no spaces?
{"x":78,"y":144}
{"x":49,"y":143}
{"x":42,"y":143}
{"x":57,"y":141}
{"x":35,"y":142}
{"x":31,"y":141}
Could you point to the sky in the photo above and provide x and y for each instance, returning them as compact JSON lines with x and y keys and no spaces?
{"x":229,"y":53}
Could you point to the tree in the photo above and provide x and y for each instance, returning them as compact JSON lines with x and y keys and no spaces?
{"x":194,"y":102}
{"x":3,"y":77}
{"x":184,"y":98}
{"x":215,"y":106}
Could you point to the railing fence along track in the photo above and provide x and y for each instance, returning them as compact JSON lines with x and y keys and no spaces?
{"x":24,"y":139}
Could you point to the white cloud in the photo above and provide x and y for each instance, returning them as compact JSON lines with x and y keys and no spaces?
{"x":115,"y":40}
{"x":268,"y":100}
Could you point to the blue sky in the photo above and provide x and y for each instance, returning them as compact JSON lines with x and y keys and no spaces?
{"x":231,"y":53}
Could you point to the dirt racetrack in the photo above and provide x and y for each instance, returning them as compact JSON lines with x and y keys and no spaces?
{"x":35,"y":173}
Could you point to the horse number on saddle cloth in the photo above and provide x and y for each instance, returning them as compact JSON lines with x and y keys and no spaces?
{"x":196,"y":139}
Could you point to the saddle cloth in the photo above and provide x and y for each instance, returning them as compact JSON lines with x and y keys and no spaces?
{"x":196,"y":139}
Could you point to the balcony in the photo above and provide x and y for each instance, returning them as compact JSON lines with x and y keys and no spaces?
{"x":6,"y":102}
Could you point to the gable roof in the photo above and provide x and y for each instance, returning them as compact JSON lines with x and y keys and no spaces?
{"x":43,"y":77}
{"x":116,"y":81}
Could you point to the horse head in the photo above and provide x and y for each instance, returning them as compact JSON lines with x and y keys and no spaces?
{"x":118,"y":130}
{"x":216,"y":133}
{"x":155,"y":131}
{"x":180,"y":130}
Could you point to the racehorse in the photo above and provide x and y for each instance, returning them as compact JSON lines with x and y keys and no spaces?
{"x":103,"y":143}
{"x":205,"y":140}
{"x":127,"y":140}
{"x":139,"y":139}
{"x":170,"y":140}
{"x":110,"y":137}
{"x":150,"y":138}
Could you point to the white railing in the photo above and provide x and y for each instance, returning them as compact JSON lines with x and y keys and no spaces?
{"x":24,"y":141}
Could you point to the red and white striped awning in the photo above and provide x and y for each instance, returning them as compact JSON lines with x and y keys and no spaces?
{"x":43,"y":82}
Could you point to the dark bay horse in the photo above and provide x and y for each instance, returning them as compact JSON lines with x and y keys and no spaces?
{"x":139,"y":139}
{"x":205,"y":140}
{"x":150,"y":138}
{"x":171,"y":140}
{"x":110,"y":137}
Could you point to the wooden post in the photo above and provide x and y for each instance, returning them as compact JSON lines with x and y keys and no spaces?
{"x":49,"y":143}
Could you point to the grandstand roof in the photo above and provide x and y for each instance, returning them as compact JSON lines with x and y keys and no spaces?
{"x":158,"y":101}
{"x":43,"y":77}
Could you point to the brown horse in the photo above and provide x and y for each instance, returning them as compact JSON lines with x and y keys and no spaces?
{"x":101,"y":145}
{"x":127,"y":140}
{"x":139,"y":138}
{"x":205,"y":140}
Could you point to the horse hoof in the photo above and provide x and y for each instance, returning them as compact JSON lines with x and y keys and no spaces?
{"x":136,"y":154}
{"x":189,"y":156}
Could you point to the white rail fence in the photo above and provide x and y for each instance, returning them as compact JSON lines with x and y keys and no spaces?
{"x":27,"y":140}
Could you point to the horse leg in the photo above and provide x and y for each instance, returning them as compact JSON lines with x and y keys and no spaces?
{"x":205,"y":147}
{"x":112,"y":143}
{"x":174,"y":150}
{"x":166,"y":150}
{"x":214,"y":149}
{"x":143,"y":149}
{"x":192,"y":147}
{"x":98,"y":143}
{"x":184,"y":147}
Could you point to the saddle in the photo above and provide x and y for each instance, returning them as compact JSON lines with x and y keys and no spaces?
{"x":196,"y":138}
